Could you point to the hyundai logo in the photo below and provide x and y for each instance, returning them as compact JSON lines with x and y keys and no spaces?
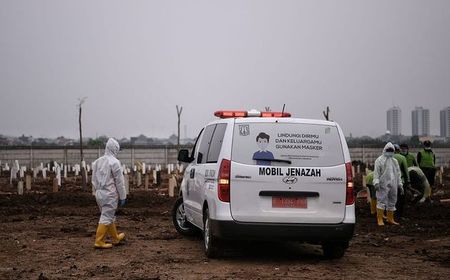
{"x":289,"y":180}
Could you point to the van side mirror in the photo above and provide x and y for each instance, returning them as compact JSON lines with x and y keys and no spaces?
{"x":183,"y":156}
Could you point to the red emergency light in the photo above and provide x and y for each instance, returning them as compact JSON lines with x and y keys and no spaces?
{"x":252,"y":113}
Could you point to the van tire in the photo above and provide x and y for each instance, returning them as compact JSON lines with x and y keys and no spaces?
{"x":334,"y":250}
{"x":179,"y":219}
{"x":211,"y":244}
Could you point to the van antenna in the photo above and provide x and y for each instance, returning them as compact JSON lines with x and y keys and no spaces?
{"x":282,"y":112}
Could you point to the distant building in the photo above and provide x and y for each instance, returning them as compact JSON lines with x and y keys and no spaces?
{"x":445,"y":122}
{"x":420,"y":118}
{"x":394,"y":121}
{"x":141,"y":140}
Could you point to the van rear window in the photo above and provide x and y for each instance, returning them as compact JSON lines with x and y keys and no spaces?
{"x":277,"y":143}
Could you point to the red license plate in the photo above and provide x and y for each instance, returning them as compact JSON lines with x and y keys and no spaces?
{"x":289,"y":202}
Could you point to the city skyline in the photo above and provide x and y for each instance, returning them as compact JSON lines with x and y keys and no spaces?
{"x":419,"y":121}
{"x":445,"y":122}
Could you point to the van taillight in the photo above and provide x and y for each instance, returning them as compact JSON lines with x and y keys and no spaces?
{"x":224,"y":180}
{"x":349,"y":194}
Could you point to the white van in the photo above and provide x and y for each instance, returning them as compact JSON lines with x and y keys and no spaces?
{"x":264,"y":175}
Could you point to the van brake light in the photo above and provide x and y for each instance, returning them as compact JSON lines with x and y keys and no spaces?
{"x":223,"y":190}
{"x":349,"y":192}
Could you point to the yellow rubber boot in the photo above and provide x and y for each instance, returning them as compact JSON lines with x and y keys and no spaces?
{"x":100,"y":237}
{"x":373,"y":206}
{"x":116,"y":237}
{"x":380,"y":213}
{"x":390,"y":218}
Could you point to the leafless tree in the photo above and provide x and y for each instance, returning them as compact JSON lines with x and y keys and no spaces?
{"x":179,"y":110}
{"x":326,"y":114}
{"x":83,"y":170}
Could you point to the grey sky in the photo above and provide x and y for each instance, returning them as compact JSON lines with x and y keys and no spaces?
{"x":135,"y":60}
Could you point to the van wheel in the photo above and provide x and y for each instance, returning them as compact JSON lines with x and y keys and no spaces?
{"x":212,"y":246}
{"x":179,"y":219}
{"x":334,"y":250}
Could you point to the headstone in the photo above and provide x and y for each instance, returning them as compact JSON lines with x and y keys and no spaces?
{"x":139,"y":179}
{"x":172,"y":186}
{"x":44,"y":173}
{"x":55,"y":185}
{"x":22,"y":172}
{"x":146,"y":182}
{"x":13,"y":174}
{"x":126,"y":179}
{"x":28,"y":182}
{"x":20,"y":188}
{"x":65,"y":172}
{"x":179,"y":168}
{"x":58,"y":175}
{"x":143,"y":168}
{"x":154,"y":176}
{"x":35,"y":172}
{"x":358,"y":169}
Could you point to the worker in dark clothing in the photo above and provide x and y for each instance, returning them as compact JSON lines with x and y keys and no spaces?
{"x":427,"y":160}
{"x":405,"y":180}
{"x":410,"y":158}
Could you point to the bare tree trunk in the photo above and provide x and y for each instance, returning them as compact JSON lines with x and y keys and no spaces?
{"x":179,"y":110}
{"x":326,"y":114}
{"x":83,"y":170}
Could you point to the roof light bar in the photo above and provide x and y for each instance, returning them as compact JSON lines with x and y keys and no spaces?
{"x":251,"y":113}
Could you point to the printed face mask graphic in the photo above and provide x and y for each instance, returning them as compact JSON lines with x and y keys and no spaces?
{"x":262,"y":144}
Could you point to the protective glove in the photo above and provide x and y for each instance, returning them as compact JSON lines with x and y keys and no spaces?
{"x":122,"y":202}
{"x":402,"y":191}
{"x":377,"y":187}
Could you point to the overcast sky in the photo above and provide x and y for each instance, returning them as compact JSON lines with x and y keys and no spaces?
{"x":135,"y":60}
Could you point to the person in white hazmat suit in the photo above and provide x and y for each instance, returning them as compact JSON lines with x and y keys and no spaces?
{"x":387,"y":179}
{"x":108,"y":182}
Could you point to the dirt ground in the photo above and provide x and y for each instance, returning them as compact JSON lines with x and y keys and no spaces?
{"x":50,"y":236}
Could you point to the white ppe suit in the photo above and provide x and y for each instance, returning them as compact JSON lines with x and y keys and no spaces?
{"x":108,"y":182}
{"x":386,"y":179}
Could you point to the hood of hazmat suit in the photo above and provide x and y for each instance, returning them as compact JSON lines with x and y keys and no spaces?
{"x":108,"y":182}
{"x":387,"y":170}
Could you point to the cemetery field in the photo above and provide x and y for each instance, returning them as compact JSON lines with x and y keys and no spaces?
{"x":47,"y":235}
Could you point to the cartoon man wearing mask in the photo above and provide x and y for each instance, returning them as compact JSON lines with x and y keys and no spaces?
{"x":262,"y":156}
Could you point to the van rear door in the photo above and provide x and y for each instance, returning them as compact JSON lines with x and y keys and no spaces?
{"x":287,"y":171}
